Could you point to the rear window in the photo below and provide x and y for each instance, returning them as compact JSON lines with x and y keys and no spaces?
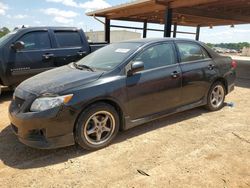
{"x":66,"y":39}
{"x":191,"y":52}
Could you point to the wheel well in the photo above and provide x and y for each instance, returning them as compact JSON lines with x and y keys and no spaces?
{"x":224,"y":82}
{"x":110,"y":102}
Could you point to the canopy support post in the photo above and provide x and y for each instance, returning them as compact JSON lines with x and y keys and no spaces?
{"x":197,"y":37}
{"x":168,"y":22}
{"x":145,"y":29}
{"x":107,"y":30}
{"x":175,"y":30}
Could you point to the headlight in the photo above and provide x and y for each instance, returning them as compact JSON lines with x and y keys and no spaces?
{"x":46,"y":102}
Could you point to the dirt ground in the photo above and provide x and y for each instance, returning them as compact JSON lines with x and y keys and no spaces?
{"x":190,"y":149}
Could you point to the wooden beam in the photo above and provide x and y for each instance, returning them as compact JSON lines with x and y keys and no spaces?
{"x":189,"y":3}
{"x":137,"y":11}
{"x":213,"y":14}
{"x":183,"y":3}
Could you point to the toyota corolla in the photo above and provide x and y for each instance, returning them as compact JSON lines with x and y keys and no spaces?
{"x":116,"y":88}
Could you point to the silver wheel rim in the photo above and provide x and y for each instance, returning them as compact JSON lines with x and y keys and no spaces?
{"x":217,"y":96}
{"x":99,"y":127}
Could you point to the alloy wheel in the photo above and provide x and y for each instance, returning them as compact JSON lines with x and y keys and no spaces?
{"x":99,"y":127}
{"x":217,"y":96}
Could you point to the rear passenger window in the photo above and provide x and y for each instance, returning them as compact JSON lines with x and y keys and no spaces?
{"x":66,"y":39}
{"x":157,"y":56}
{"x":191,"y":52}
{"x":36,"y":40}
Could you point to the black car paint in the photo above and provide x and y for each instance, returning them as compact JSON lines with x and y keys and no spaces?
{"x":139,"y":98}
{"x":16,"y":66}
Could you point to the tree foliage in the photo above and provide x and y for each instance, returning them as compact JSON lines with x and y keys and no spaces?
{"x":235,"y":46}
{"x":4,"y":31}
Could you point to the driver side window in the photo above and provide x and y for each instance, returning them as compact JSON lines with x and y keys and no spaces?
{"x":157,"y":56}
{"x":36,"y":40}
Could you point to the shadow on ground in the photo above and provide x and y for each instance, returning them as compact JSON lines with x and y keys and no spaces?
{"x":16,"y":155}
{"x":6,"y":95}
{"x":245,"y":83}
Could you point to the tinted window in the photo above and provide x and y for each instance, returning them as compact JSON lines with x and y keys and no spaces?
{"x":191,"y":52}
{"x":36,"y":40}
{"x":68,"y":39}
{"x":157,"y":56}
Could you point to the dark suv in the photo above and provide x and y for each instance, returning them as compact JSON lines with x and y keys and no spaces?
{"x":118,"y":87}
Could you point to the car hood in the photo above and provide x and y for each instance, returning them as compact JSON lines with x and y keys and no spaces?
{"x":58,"y":80}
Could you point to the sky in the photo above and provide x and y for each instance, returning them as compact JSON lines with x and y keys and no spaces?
{"x":72,"y":13}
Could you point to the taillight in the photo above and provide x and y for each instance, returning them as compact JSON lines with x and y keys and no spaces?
{"x":234,"y":64}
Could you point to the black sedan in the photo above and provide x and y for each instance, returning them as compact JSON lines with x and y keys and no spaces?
{"x":118,"y":87}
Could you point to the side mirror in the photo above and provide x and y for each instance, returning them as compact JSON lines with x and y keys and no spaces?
{"x":136,"y":67}
{"x":19,"y":45}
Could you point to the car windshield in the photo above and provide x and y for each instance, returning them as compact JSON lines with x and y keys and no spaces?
{"x":109,"y":56}
{"x":6,"y":37}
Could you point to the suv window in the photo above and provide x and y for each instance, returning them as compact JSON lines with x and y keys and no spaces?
{"x":36,"y":40}
{"x":157,"y":56}
{"x":191,"y":52}
{"x":68,"y":39}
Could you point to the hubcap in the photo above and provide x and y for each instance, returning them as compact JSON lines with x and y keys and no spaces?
{"x":217,"y":96}
{"x":99,"y":127}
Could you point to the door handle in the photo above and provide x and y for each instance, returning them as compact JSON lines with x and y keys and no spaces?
{"x":81,"y":53}
{"x":175,"y":74}
{"x":211,"y":67}
{"x":48,"y":56}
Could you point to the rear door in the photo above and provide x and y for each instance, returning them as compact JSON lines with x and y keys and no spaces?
{"x":156,"y":88}
{"x":33,"y":58}
{"x":69,"y":46}
{"x":198,"y":70}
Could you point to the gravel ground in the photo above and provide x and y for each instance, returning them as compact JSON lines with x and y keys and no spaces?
{"x":195,"y":148}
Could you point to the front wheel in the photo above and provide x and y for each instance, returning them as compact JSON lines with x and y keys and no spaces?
{"x":216,"y":97}
{"x":97,"y":126}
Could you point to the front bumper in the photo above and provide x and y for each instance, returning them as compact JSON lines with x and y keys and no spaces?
{"x":45,"y":130}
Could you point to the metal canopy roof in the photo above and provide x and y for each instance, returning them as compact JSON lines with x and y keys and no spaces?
{"x":185,"y":12}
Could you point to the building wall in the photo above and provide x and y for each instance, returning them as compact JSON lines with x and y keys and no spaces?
{"x":246,"y":51}
{"x":115,"y":36}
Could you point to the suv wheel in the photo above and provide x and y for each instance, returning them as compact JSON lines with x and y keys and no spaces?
{"x":97,"y":126}
{"x":216,"y":97}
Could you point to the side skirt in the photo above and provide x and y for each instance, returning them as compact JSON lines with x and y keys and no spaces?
{"x":133,"y":123}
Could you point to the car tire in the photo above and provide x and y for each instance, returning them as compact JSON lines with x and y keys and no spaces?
{"x":216,"y":97}
{"x":97,"y":126}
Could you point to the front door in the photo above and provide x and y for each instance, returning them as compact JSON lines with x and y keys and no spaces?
{"x":34,"y":58}
{"x":156,"y":88}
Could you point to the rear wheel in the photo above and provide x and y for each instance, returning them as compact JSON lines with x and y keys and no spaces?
{"x":216,"y":97}
{"x":97,"y":126}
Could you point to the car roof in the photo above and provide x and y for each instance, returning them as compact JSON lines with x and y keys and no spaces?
{"x":48,"y":27}
{"x":154,"y":40}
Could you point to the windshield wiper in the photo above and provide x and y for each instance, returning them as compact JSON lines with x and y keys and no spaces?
{"x":81,"y":67}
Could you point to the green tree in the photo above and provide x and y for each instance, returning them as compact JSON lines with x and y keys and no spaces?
{"x":4,"y":31}
{"x":235,"y":46}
